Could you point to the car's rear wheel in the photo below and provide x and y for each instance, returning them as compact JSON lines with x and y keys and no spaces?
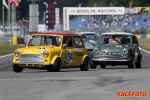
{"x":57,"y":65}
{"x":102,"y":65}
{"x":17,"y":69}
{"x":86,"y":65}
{"x":138,"y":63}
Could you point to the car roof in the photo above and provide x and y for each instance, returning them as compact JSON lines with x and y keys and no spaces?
{"x":55,"y":33}
{"x":87,"y":33}
{"x":117,"y":33}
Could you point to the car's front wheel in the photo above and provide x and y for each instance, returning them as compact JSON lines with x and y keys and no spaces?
{"x":86,"y":65}
{"x":131,"y":64}
{"x":49,"y":68}
{"x":138,"y":63}
{"x":57,"y":65}
{"x":93,"y":66}
{"x":17,"y":69}
{"x":102,"y":65}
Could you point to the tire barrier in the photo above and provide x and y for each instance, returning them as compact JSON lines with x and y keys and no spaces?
{"x":14,"y":40}
{"x":17,"y":40}
{"x":143,"y":36}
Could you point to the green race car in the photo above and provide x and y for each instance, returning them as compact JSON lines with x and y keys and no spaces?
{"x":117,"y":48}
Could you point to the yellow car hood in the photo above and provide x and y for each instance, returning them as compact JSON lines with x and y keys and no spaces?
{"x":35,"y":50}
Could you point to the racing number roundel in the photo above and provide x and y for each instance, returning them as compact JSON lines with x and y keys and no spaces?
{"x":69,"y":56}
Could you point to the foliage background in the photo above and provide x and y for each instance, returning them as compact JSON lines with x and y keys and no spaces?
{"x":23,"y":11}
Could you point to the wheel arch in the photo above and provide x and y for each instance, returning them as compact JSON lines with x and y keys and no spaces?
{"x":54,"y":58}
{"x":85,"y":56}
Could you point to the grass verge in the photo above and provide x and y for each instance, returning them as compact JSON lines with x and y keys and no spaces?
{"x":8,"y":49}
{"x":144,"y":44}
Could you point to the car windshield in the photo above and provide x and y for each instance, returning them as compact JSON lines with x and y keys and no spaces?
{"x":44,"y":40}
{"x":89,"y":36}
{"x":115,"y":39}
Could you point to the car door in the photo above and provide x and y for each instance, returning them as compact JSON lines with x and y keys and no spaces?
{"x":68,"y":52}
{"x":79,"y":49}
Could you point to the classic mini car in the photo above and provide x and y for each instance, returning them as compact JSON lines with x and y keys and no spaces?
{"x":89,"y":37}
{"x":90,"y":40}
{"x":52,"y":51}
{"x":117,"y":48}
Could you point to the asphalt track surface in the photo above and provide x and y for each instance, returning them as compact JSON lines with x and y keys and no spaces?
{"x":73,"y":84}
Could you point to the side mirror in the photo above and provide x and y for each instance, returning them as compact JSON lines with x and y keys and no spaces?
{"x":64,"y":46}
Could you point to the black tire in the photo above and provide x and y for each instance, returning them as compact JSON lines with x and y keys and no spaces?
{"x":102,"y":65}
{"x":49,"y":68}
{"x":57,"y":66}
{"x":93,"y":66}
{"x":138,"y":63}
{"x":86,"y":65}
{"x":17,"y":69}
{"x":131,"y":64}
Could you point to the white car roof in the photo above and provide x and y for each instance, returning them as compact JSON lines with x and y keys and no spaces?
{"x":87,"y":33}
{"x":119,"y":33}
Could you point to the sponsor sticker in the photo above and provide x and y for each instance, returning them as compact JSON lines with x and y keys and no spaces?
{"x":69,"y":58}
{"x":79,"y":50}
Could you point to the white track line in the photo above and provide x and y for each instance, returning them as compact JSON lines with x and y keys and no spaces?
{"x":145,"y":50}
{"x":5,"y":55}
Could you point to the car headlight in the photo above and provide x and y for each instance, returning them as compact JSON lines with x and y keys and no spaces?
{"x":96,"y":50}
{"x":45,"y":54}
{"x":125,"y":51}
{"x":17,"y":53}
{"x":95,"y":43}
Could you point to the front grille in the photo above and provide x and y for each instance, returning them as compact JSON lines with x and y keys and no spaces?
{"x":111,"y":56}
{"x":31,"y":58}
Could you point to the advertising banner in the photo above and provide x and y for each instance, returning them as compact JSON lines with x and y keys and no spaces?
{"x":95,"y":10}
{"x":89,"y":11}
{"x":131,"y":11}
{"x":143,"y":10}
{"x":137,"y":10}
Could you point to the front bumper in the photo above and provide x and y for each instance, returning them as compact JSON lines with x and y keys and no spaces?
{"x":110,"y":62}
{"x":32,"y":64}
{"x":35,"y":63}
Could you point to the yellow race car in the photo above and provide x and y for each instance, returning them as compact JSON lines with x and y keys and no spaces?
{"x":52,"y":51}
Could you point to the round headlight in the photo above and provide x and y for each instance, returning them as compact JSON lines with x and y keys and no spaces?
{"x":125,"y":51}
{"x":17,"y":53}
{"x":45,"y":54}
{"x":96,"y":50}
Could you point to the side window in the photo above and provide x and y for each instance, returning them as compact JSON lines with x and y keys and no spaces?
{"x":68,"y":41}
{"x":77,"y":41}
